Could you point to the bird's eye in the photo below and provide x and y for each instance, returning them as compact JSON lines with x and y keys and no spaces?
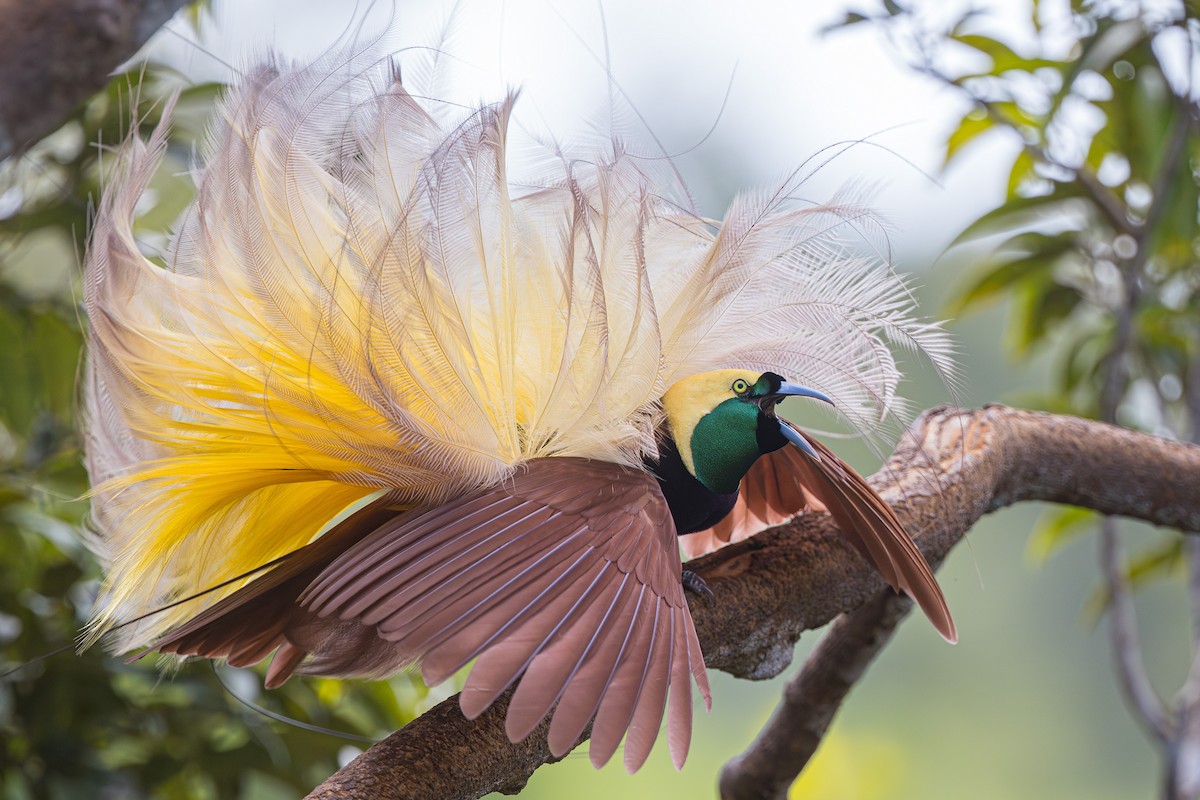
{"x":740,"y":386}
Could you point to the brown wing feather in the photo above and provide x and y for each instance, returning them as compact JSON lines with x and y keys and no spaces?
{"x":872,"y":527}
{"x":570,"y":584}
{"x":566,"y":578}
{"x":770,"y":494}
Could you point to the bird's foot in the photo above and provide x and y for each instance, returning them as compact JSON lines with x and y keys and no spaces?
{"x":696,"y":585}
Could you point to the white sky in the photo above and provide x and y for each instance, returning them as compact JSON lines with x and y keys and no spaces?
{"x":793,"y":91}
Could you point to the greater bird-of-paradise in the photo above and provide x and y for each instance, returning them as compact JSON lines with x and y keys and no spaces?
{"x":400,"y":409}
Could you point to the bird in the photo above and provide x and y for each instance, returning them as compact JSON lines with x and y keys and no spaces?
{"x":379,"y":403}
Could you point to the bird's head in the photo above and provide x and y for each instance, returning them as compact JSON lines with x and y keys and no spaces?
{"x":722,"y":421}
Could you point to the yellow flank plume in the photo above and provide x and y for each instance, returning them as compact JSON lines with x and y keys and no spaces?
{"x":359,"y":300}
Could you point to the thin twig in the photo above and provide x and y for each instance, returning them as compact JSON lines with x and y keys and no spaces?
{"x":1183,"y":765}
{"x":1123,"y":636}
{"x":54,"y":54}
{"x":1183,"y":771}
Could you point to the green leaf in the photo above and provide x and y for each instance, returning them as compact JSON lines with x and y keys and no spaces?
{"x":1038,"y":310}
{"x":1153,"y":109}
{"x":1160,"y":328}
{"x":1050,"y":402}
{"x":1152,"y":564}
{"x":1022,"y":169}
{"x":1056,"y":528}
{"x":1003,"y":57}
{"x":1020,"y":212}
{"x":993,"y":283}
{"x":1175,"y":237}
{"x":195,"y":12}
{"x":1098,"y":52}
{"x":971,"y":126}
{"x":1036,"y":243}
{"x":39,"y":353}
{"x":851,"y":18}
{"x":1019,"y":116}
{"x":1086,"y":356}
{"x":1027,"y":256}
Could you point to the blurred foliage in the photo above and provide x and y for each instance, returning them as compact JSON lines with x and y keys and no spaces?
{"x":1155,"y":562}
{"x":89,"y":725}
{"x":864,"y":767}
{"x":1095,"y":246}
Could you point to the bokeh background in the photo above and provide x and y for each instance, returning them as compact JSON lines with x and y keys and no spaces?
{"x":741,"y":93}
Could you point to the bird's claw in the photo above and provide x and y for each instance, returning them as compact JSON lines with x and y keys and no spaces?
{"x":696,"y":585}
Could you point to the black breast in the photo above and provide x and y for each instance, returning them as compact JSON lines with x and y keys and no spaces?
{"x":693,"y":506}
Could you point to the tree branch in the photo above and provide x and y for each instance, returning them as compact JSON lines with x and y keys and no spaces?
{"x":1123,"y":636}
{"x":54,"y":54}
{"x":1183,"y":760}
{"x":1135,"y":682}
{"x":810,"y":700}
{"x":1183,"y":765}
{"x":952,"y":468}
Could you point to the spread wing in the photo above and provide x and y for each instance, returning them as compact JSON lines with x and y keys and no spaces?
{"x":786,"y":482}
{"x":565,"y":580}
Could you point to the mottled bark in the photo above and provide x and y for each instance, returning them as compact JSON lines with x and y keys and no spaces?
{"x":951,"y":469}
{"x":54,"y":54}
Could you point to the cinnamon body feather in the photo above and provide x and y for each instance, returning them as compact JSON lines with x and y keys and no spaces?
{"x":361,"y":306}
